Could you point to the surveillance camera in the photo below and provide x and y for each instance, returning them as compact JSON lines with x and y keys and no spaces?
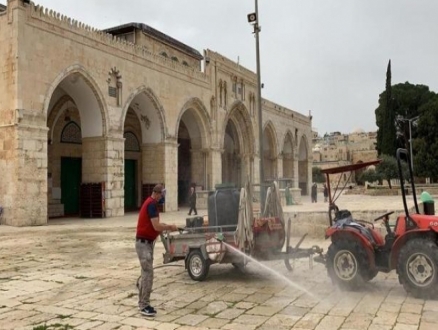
{"x":252,"y":18}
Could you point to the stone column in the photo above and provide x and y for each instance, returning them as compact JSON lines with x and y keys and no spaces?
{"x":296,"y":178}
{"x":309,"y":173}
{"x":198,"y":167}
{"x":170,"y":175}
{"x":160,"y":165}
{"x":215,"y":167}
{"x":295,"y":190}
{"x":103,"y":161}
{"x":23,"y":165}
{"x":280,"y":166}
{"x":153,"y":160}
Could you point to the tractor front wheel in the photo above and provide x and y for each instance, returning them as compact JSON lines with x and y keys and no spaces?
{"x":347,"y":264}
{"x":417,"y":268}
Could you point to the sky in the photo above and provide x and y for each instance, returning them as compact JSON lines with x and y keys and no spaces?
{"x":327,"y":56}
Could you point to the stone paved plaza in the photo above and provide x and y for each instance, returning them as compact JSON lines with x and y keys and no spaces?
{"x":81,"y":274}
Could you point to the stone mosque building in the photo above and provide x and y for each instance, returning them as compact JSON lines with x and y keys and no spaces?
{"x":90,"y":120}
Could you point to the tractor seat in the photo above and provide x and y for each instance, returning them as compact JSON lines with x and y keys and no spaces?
{"x":365,"y":231}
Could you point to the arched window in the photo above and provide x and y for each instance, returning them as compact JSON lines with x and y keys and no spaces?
{"x":174,"y":58}
{"x":131,"y":142}
{"x":71,"y":133}
{"x":164,"y":54}
{"x":185,"y":63}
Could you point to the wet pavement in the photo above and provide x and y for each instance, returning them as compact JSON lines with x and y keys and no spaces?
{"x":81,"y":274}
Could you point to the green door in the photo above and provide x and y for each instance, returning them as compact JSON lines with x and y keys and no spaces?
{"x":130,"y":187}
{"x":71,"y":177}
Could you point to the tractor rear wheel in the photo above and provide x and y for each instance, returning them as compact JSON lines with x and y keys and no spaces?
{"x":417,"y":268}
{"x":348,"y":265}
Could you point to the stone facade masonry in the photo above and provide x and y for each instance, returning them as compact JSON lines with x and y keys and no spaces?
{"x":56,"y":71}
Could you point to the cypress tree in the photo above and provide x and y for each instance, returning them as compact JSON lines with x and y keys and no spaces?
{"x":388,"y":133}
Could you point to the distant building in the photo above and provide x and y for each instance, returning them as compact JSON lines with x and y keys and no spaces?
{"x":337,"y":149}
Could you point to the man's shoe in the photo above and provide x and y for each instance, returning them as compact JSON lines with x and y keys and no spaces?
{"x":148,"y":311}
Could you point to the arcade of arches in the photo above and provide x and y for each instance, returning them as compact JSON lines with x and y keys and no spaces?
{"x":79,"y":153}
{"x":91,"y":132}
{"x":76,"y":149}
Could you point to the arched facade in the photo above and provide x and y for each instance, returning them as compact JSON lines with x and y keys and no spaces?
{"x":270,"y":152}
{"x":112,"y":115}
{"x":75,"y":120}
{"x":288,"y":157}
{"x":304,"y":165}
{"x":237,"y":143}
{"x":193,"y":137}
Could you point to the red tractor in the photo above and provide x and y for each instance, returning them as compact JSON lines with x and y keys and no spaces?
{"x":358,"y":251}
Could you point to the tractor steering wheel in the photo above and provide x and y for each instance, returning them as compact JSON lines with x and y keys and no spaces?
{"x":384,"y":216}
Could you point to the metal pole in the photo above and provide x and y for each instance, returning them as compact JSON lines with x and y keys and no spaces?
{"x":410,"y":144}
{"x":259,"y":103}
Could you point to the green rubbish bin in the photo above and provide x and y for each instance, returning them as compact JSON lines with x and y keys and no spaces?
{"x":428,"y":203}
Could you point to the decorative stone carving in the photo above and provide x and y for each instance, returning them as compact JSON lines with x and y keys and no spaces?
{"x":131,"y":142}
{"x":115,"y":85}
{"x":146,"y":121}
{"x":71,"y":133}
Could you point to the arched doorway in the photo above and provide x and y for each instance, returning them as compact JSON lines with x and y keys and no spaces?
{"x":193,"y":140}
{"x":303,"y":166}
{"x":143,"y":130}
{"x":238,"y":146}
{"x":288,"y":157}
{"x":269,"y":153}
{"x":133,"y":161}
{"x":231,"y":158}
{"x":75,"y":118}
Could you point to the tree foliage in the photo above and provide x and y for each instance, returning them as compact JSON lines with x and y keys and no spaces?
{"x":406,"y":101}
{"x":371,"y":176}
{"x":317,"y":175}
{"x":426,"y":144}
{"x":385,"y":119}
{"x":387,"y":169}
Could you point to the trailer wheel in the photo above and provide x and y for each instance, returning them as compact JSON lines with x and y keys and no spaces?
{"x":197,"y":266}
{"x":348,"y":265}
{"x":417,"y":268}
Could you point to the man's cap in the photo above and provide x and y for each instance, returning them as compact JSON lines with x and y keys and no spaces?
{"x":158,"y":188}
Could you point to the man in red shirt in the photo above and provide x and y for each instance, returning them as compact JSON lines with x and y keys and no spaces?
{"x":148,"y":229}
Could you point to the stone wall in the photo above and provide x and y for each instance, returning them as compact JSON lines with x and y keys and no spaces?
{"x":53,"y":56}
{"x":9,"y":117}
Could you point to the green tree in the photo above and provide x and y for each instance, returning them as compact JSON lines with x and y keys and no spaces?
{"x":426,"y":143}
{"x":317,"y":175}
{"x":407,"y":100}
{"x":385,"y":119}
{"x":371,"y":176}
{"x":388,"y":169}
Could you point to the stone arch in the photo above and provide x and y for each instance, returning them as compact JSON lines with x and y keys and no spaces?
{"x":201,"y":117}
{"x":74,"y":96}
{"x":143,"y":115}
{"x":238,"y":144}
{"x":303,"y":165}
{"x":81,"y":84}
{"x":239,"y":113}
{"x":192,"y":130}
{"x":147,"y":97}
{"x":287,"y":152}
{"x":270,"y":151}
